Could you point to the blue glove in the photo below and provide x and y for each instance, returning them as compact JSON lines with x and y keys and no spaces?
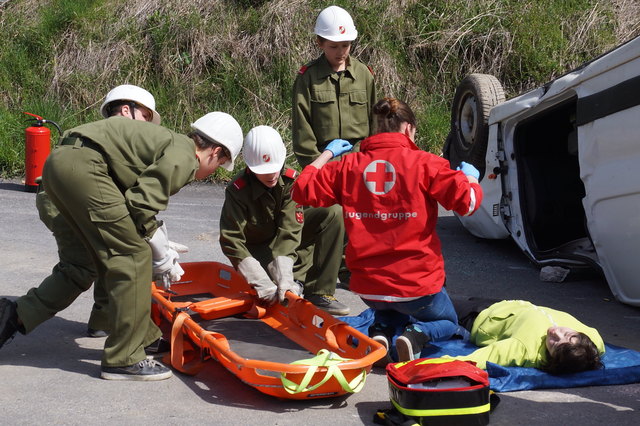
{"x":338,"y":147}
{"x":469,"y":170}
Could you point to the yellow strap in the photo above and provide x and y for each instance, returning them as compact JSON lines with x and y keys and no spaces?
{"x":424,"y":361}
{"x":442,"y":411}
{"x":329,"y":360}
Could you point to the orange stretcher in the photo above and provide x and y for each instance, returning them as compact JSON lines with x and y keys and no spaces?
{"x":214,"y":314}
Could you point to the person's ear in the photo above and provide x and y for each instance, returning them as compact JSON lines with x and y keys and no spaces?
{"x":218,"y":152}
{"x":125,"y":111}
{"x":406,"y":130}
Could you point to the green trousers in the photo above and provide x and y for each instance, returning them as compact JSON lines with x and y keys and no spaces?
{"x":320,"y":251}
{"x":77,"y":182}
{"x":75,"y":263}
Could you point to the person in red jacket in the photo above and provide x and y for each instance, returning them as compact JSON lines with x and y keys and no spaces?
{"x":389,"y":192}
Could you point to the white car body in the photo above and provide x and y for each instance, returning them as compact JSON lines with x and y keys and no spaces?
{"x":561,"y":171}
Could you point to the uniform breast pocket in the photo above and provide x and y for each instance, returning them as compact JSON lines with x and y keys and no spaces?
{"x":358,"y":104}
{"x":324,"y":109}
{"x":117,"y":229}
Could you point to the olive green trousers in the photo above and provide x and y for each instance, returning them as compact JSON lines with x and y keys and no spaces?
{"x":77,"y":182}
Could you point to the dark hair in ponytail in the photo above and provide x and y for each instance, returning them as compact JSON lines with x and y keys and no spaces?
{"x":390,"y":113}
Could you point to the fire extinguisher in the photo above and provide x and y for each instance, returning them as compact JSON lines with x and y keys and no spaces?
{"x":37,"y":148}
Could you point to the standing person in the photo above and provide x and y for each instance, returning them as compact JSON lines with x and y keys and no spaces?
{"x":333,"y":94}
{"x":109,"y":179}
{"x":517,"y":333}
{"x":389,"y":192}
{"x":262,"y":228}
{"x":332,"y":98}
{"x":75,"y":263}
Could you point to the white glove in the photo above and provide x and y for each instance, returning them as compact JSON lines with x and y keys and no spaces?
{"x":281,"y":269}
{"x":166,"y":268}
{"x":180,"y":248}
{"x":257,"y":278}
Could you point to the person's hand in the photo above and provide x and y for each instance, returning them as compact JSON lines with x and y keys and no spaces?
{"x":258,"y":278}
{"x":171,"y":275}
{"x":469,"y":170}
{"x":338,"y":147}
{"x":166,"y":268}
{"x":281,"y":269}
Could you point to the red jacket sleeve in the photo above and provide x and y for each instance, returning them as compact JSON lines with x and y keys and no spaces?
{"x":453,"y":191}
{"x":315,"y":187}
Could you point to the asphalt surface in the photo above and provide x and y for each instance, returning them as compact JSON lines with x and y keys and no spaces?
{"x":51,"y":376}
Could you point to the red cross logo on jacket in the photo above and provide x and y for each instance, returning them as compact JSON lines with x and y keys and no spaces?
{"x":379,"y":177}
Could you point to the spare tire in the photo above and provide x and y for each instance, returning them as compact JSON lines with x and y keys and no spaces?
{"x":473,"y":100}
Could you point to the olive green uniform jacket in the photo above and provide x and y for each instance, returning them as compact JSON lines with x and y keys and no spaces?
{"x":260,"y":222}
{"x":109,"y":179}
{"x":328,"y":105}
{"x":264,"y":223}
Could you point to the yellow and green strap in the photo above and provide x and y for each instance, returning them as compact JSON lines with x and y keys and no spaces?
{"x":442,"y":411}
{"x":329,"y":360}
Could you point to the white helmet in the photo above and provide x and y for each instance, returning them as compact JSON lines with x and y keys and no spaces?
{"x":129,"y":92}
{"x":264,"y":151}
{"x":221,"y":128}
{"x":335,"y":24}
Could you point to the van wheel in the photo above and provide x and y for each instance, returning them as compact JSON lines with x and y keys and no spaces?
{"x":473,"y":100}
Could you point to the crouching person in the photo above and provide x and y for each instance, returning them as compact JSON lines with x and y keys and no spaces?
{"x":109,"y":179}
{"x":262,"y":228}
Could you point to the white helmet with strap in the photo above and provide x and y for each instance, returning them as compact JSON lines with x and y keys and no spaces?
{"x":221,"y":128}
{"x":335,"y":24}
{"x":129,"y":92}
{"x":263,"y":150}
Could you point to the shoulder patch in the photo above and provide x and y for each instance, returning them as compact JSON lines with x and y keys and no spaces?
{"x":303,"y":69}
{"x":290,"y":173}
{"x":239,"y":183}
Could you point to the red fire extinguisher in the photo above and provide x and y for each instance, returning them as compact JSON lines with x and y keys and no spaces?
{"x":37,"y":148}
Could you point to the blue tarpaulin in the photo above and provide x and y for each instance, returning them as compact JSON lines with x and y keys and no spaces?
{"x":621,"y":365}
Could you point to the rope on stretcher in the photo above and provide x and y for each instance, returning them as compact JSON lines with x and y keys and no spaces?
{"x":329,"y":360}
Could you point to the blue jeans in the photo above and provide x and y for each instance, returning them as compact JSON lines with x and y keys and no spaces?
{"x":434,"y":315}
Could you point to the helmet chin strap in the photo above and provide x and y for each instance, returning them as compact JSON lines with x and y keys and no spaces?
{"x":132,"y":110}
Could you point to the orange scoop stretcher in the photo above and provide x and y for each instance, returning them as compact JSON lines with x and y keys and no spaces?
{"x":288,"y":350}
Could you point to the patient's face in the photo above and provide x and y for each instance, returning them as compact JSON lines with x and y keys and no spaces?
{"x":557,"y":336}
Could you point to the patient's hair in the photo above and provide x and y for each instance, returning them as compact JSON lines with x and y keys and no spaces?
{"x":574,"y":357}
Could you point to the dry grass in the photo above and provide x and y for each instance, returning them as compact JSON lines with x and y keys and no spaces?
{"x":627,"y":18}
{"x":200,"y":55}
{"x":216,"y":41}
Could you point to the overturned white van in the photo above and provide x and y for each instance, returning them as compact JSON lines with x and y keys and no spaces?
{"x":559,"y":166}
